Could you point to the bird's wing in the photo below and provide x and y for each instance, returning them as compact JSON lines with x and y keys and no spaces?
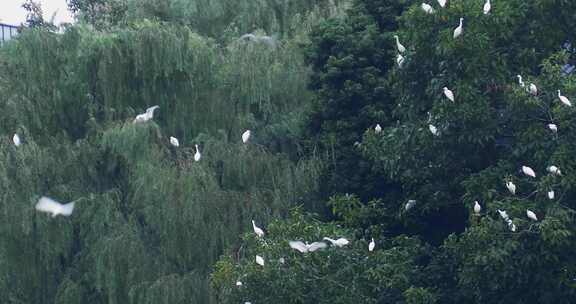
{"x":46,"y":204}
{"x":342,"y":241}
{"x":298,"y":245}
{"x":67,"y":209}
{"x":317,"y":245}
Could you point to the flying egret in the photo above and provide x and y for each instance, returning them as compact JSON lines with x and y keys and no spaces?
{"x":46,"y":204}
{"x":400,"y":60}
{"x":174,"y":141}
{"x":553,"y":127}
{"x":399,"y":45}
{"x":442,"y":3}
{"x":520,"y":81}
{"x":378,"y":128}
{"x":511,"y":187}
{"x":371,"y":245}
{"x":528,"y":171}
{"x":246,"y":136}
{"x":434,"y":130}
{"x":144,"y":117}
{"x":449,"y":94}
{"x":551,"y":194}
{"x":341,"y":242}
{"x":259,"y":260}
{"x":305,"y":247}
{"x":427,"y":8}
{"x":487,"y":7}
{"x":197,"y":155}
{"x":16,"y":140}
{"x":554,"y":170}
{"x":532,"y":89}
{"x":259,"y":232}
{"x":531,"y":215}
{"x":409,"y":205}
{"x":564,"y":99}
{"x":477,"y":208}
{"x":459,"y":29}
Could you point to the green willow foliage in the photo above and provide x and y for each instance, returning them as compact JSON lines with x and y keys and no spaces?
{"x":149,"y":222}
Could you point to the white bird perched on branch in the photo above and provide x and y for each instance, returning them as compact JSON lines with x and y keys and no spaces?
{"x":433,"y":130}
{"x":551,"y":194}
{"x":197,"y":155}
{"x":531,"y":215}
{"x":520,"y":81}
{"x":427,"y":8}
{"x":341,"y":242}
{"x":305,"y":247}
{"x":46,"y":204}
{"x":477,"y":208}
{"x":458,"y":31}
{"x":409,"y":205}
{"x":554,"y":170}
{"x":532,"y":89}
{"x":174,"y":141}
{"x":259,"y":232}
{"x":399,"y":45}
{"x":487,"y":7}
{"x":144,"y":117}
{"x":259,"y":260}
{"x":564,"y":99}
{"x":448,"y":93}
{"x":378,"y":128}
{"x":553,"y":127}
{"x":442,"y":3}
{"x":16,"y":140}
{"x":528,"y":171}
{"x":246,"y":136}
{"x":371,"y":245}
{"x":511,"y":187}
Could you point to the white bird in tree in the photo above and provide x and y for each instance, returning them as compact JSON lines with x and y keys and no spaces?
{"x":238,"y":283}
{"x":378,"y":128}
{"x":46,"y":204}
{"x":341,"y":242}
{"x":564,"y":99}
{"x":259,"y":232}
{"x":427,"y":8}
{"x":409,"y":205}
{"x":442,"y":3}
{"x":434,"y":130}
{"x":487,"y":7}
{"x":458,"y":31}
{"x":511,"y":187}
{"x":259,"y":260}
{"x":16,"y":140}
{"x":197,"y":155}
{"x":448,"y":93}
{"x":400,"y":60}
{"x":528,"y":171}
{"x":520,"y":81}
{"x":531,"y":215}
{"x":503,"y":214}
{"x":532,"y":89}
{"x":553,"y":127}
{"x":477,"y":208}
{"x":371,"y":245}
{"x":246,"y":136}
{"x":305,"y":247}
{"x":554,"y":170}
{"x":174,"y":141}
{"x":399,"y":45}
{"x":551,"y":194}
{"x":144,"y":117}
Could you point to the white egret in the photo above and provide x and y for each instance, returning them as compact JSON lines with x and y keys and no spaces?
{"x":434,"y":130}
{"x":144,"y":117}
{"x":511,"y":187}
{"x":305,"y":247}
{"x":477,"y":208}
{"x":16,"y":140}
{"x":409,"y":205}
{"x":459,"y":29}
{"x":553,"y":127}
{"x":371,"y":245}
{"x":532,"y":89}
{"x":551,"y":194}
{"x":246,"y":136}
{"x":528,"y":171}
{"x":46,"y":204}
{"x":174,"y":141}
{"x":487,"y":7}
{"x":554,"y":170}
{"x":520,"y":81}
{"x":449,"y":94}
{"x":399,"y":45}
{"x":238,"y":283}
{"x":259,"y":232}
{"x":259,"y":260}
{"x":531,"y":215}
{"x":281,"y":260}
{"x":564,"y":99}
{"x":341,"y":242}
{"x":400,"y":60}
{"x":427,"y":8}
{"x":442,"y":3}
{"x":378,"y":128}
{"x":197,"y":155}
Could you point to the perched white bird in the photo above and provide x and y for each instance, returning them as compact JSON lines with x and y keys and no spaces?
{"x":528,"y":171}
{"x":511,"y":187}
{"x":487,"y":7}
{"x":459,"y":29}
{"x":551,"y":194}
{"x":520,"y":81}
{"x":197,"y":155}
{"x":399,"y":45}
{"x":442,"y":3}
{"x":409,"y":205}
{"x":144,"y":117}
{"x":427,"y":8}
{"x":341,"y":242}
{"x":246,"y":136}
{"x":554,"y":170}
{"x":378,"y":128}
{"x":305,"y":247}
{"x":434,"y":130}
{"x":259,"y":260}
{"x":259,"y":232}
{"x":532,"y":89}
{"x":371,"y":245}
{"x":564,"y":99}
{"x":16,"y":140}
{"x":238,"y":283}
{"x":400,"y":60}
{"x":553,"y":127}
{"x":449,"y":94}
{"x":174,"y":141}
{"x":46,"y":204}
{"x":531,"y":215}
{"x":477,"y":208}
